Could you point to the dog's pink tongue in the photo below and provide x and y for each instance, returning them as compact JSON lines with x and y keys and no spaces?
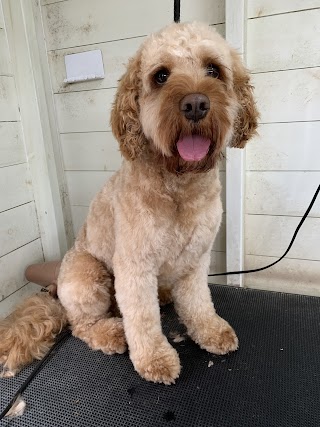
{"x":193,"y":148}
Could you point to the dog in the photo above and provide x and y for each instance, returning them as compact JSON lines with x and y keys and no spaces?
{"x":184,"y":97}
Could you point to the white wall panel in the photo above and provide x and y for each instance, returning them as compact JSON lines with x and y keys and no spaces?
{"x":271,"y":235}
{"x":115,"y":57}
{"x":13,"y":265}
{"x":90,"y":151}
{"x":84,"y":185}
{"x":1,"y":19}
{"x":5,"y":61}
{"x":8,"y":304}
{"x":289,"y":275}
{"x":217,"y":265}
{"x":11,"y":144}
{"x":286,"y":96}
{"x":281,"y":193}
{"x":285,"y":146}
{"x":43,"y":2}
{"x":283,"y":170}
{"x":220,"y":241}
{"x":85,"y":111}
{"x":79,"y":214}
{"x":300,"y":31}
{"x":258,"y":8}
{"x":20,"y":243}
{"x":221,"y":29}
{"x":16,"y":186}
{"x":80,"y":22}
{"x":18,"y":227}
{"x":212,"y":12}
{"x":8,"y":100}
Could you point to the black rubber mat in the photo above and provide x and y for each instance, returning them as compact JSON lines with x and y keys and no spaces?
{"x":272,"y":380}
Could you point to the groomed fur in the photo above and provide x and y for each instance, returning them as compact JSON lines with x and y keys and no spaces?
{"x":150,"y":230}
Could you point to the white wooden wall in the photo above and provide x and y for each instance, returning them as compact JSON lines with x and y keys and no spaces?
{"x":20,"y":243}
{"x":90,"y":152}
{"x":283,"y":164}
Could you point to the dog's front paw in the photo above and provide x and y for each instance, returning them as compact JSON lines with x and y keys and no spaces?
{"x":218,"y":337}
{"x":108,"y":336}
{"x":160,"y":365}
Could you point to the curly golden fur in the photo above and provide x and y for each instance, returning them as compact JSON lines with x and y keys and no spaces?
{"x":150,"y":230}
{"x":29,"y":332}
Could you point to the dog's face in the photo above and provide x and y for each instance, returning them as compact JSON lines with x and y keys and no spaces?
{"x":185,"y":95}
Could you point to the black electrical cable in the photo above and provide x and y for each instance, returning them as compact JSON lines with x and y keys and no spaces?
{"x":255,"y":270}
{"x":25,"y":384}
{"x":176,"y":11}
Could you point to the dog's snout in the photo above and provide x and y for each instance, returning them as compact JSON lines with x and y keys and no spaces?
{"x":195,"y":106}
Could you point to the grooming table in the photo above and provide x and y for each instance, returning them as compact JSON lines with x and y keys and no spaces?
{"x":272,"y":380}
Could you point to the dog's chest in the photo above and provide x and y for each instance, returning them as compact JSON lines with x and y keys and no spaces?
{"x":186,"y":240}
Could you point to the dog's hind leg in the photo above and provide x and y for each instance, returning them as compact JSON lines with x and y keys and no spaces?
{"x":29,"y":332}
{"x":85,"y":290}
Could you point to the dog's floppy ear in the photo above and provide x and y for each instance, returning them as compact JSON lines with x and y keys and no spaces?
{"x":246,"y":121}
{"x":125,"y":121}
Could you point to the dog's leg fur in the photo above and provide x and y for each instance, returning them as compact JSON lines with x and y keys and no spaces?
{"x":29,"y":332}
{"x":204,"y":326}
{"x":84,"y":289}
{"x":151,"y":354}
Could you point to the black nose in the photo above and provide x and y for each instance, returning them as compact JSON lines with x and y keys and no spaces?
{"x":195,"y":106}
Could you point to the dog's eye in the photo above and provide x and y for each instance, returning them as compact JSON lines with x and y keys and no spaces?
{"x":161,"y":76}
{"x":213,"y":71}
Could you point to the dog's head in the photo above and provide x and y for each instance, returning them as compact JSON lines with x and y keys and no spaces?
{"x":184,"y":97}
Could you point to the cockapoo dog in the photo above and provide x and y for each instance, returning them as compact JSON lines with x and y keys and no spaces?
{"x":184,"y":97}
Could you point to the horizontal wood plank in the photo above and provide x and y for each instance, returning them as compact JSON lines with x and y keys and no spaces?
{"x":271,"y":235}
{"x":5,"y":60}
{"x":87,"y":111}
{"x":289,"y":275}
{"x":281,"y":193}
{"x":12,"y":149}
{"x":80,"y":22}
{"x":258,"y":8}
{"x":90,"y":151}
{"x":16,"y":186}
{"x":8,"y":100}
{"x":285,"y":146}
{"x":304,"y":44}
{"x":83,"y":186}
{"x":115,"y":57}
{"x":18,"y":227}
{"x":13,"y":266}
{"x":212,"y":12}
{"x":44,"y":2}
{"x":286,"y":96}
{"x":8,"y":304}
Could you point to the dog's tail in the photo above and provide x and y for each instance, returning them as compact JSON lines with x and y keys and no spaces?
{"x":30,"y":331}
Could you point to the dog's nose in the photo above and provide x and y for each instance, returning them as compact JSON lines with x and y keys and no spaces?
{"x":195,"y":106}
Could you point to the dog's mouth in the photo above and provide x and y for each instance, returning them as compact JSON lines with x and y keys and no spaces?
{"x":193,"y":148}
